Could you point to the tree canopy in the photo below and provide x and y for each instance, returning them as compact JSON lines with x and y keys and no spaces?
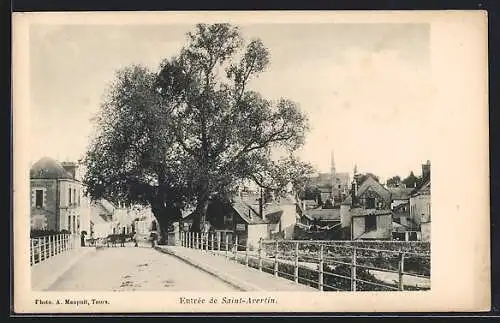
{"x":190,"y":132}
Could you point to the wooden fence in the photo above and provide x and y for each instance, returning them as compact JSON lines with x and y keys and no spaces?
{"x":42,"y":248}
{"x":328,"y":265}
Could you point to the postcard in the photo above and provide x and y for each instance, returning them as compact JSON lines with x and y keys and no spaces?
{"x":194,"y":162}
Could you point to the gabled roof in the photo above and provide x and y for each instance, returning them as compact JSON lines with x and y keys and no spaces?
{"x":371,"y":184}
{"x":247,"y":213}
{"x":48,"y":168}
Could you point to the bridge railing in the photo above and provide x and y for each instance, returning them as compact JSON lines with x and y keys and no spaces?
{"x":328,"y":265}
{"x":42,"y":248}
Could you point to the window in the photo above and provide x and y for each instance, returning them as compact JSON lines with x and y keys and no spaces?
{"x":69,"y":194}
{"x":69,"y":223}
{"x":74,"y":196}
{"x":39,"y":199}
{"x":370,"y":222}
{"x":370,"y":203}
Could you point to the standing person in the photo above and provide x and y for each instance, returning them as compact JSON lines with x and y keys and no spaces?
{"x":122,"y":239}
{"x":152,"y":236}
{"x":134,"y":237}
{"x":82,"y":238}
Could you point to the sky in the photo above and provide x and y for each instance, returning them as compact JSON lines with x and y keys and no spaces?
{"x":366,"y":88}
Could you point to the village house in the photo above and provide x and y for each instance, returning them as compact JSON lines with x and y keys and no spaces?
{"x":366,"y":213}
{"x":55,"y":196}
{"x":404,"y":229}
{"x":420,"y":203}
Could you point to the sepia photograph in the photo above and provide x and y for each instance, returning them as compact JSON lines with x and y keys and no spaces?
{"x":226,"y":161}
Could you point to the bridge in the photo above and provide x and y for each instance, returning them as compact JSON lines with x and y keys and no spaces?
{"x":208,"y":263}
{"x":143,"y":268}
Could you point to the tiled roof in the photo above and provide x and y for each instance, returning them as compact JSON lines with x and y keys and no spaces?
{"x":48,"y":168}
{"x":247,"y":213}
{"x":371,"y":183}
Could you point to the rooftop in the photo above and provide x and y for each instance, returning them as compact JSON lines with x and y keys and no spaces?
{"x":48,"y":168}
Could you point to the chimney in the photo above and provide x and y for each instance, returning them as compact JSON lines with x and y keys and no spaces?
{"x":70,"y":167}
{"x":426,"y":169}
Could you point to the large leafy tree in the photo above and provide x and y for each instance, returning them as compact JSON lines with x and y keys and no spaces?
{"x":132,"y":158}
{"x":393,"y":181}
{"x":227,"y":130}
{"x":188,"y":134}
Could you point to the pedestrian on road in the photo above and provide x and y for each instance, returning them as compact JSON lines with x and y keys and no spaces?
{"x":152,"y":236}
{"x":122,"y":239}
{"x":135,"y":239}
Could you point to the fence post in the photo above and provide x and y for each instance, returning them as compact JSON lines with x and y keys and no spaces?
{"x":401,"y":270}
{"x":320,"y":268}
{"x":212,"y":244}
{"x":353,"y":270}
{"x":276,"y":249}
{"x":207,"y":245}
{"x":50,"y":246}
{"x":32,"y":251}
{"x":219,"y":237}
{"x":58,"y":243}
{"x":296,"y":267}
{"x":39,"y":247}
{"x":260,"y":254}
{"x":197,"y":245}
{"x":235,"y":248}
{"x":46,"y":249}
{"x":246,"y":253}
{"x":227,"y":246}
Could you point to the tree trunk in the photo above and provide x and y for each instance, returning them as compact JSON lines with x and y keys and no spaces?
{"x":165,"y":216}
{"x":200,"y":216}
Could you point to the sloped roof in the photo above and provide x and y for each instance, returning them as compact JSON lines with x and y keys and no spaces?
{"x":107,"y":205}
{"x":274,"y":217}
{"x":48,"y":168}
{"x":247,"y":213}
{"x":371,"y":184}
{"x":423,"y":186}
{"x":400,"y":193}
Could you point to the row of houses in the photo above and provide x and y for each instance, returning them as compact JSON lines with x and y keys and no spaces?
{"x":373,"y":211}
{"x":58,"y":204}
{"x":367,"y":210}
